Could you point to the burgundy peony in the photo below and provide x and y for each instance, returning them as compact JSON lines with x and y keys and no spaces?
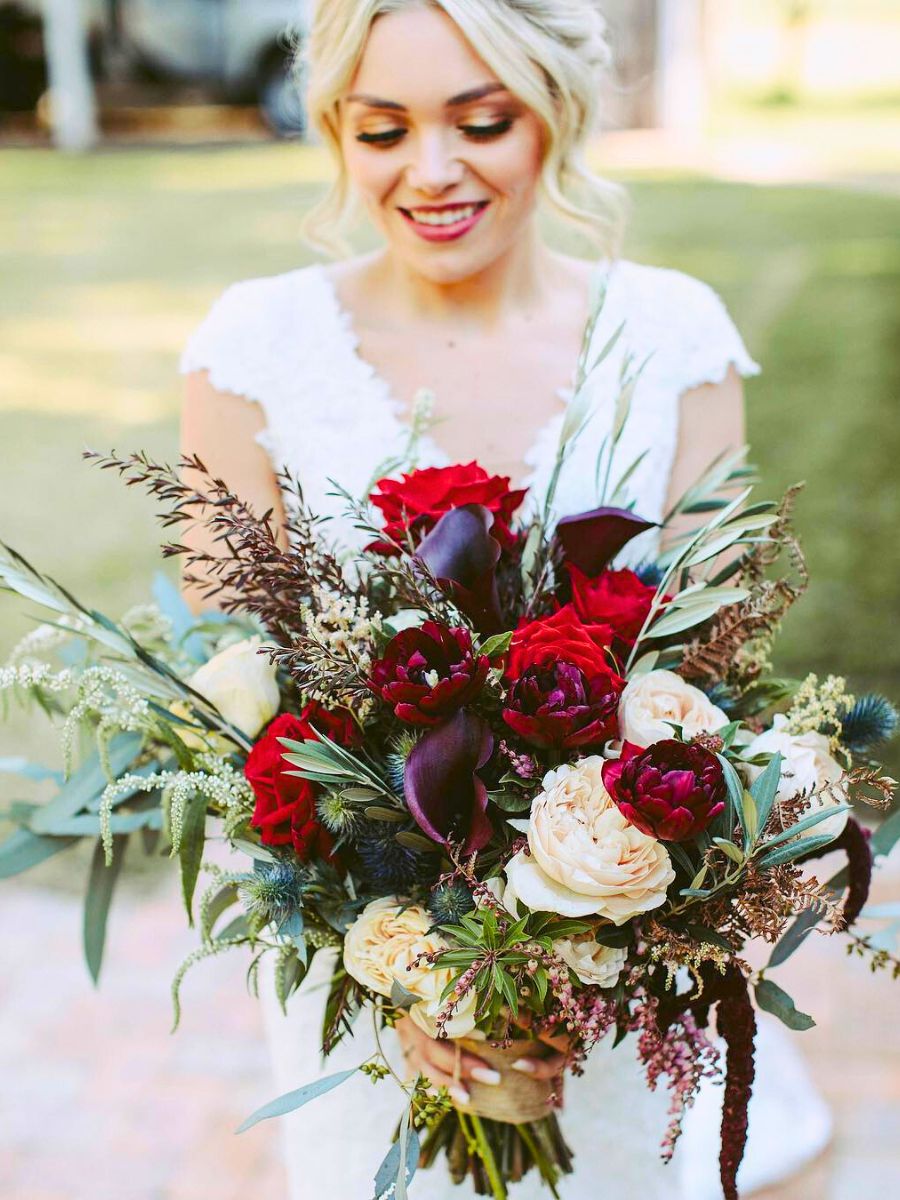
{"x":559,"y":707}
{"x":427,"y":673}
{"x":285,"y":811}
{"x":617,"y":598}
{"x":671,"y":791}
{"x":561,"y":637}
{"x":412,"y":505}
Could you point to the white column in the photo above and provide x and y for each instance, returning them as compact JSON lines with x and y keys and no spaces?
{"x":682,"y":86}
{"x":73,"y":114}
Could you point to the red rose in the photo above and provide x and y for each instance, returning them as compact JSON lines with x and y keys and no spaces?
{"x":618,"y":598}
{"x":561,"y":637}
{"x":285,"y":811}
{"x":427,"y":673}
{"x":413,"y":504}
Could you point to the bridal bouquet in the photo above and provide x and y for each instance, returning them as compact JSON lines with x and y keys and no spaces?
{"x":511,"y":791}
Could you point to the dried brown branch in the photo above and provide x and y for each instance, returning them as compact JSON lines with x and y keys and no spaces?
{"x":250,"y":571}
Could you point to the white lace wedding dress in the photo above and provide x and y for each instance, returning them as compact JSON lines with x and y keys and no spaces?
{"x":285,"y":343}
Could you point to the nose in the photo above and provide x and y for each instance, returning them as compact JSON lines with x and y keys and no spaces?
{"x":433,"y":169}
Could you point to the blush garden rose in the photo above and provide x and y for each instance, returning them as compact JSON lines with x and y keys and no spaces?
{"x":808,"y":767}
{"x":242,"y":685}
{"x":584,"y":858}
{"x":382,"y":947}
{"x":651,"y":701}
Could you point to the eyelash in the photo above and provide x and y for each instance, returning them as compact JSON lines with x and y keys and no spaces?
{"x":478,"y":133}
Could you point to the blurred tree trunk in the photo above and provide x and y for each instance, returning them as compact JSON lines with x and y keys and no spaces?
{"x":659,"y":73}
{"x":629,"y":100}
{"x":73,"y":115}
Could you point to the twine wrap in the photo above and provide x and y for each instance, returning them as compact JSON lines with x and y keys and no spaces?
{"x":519,"y":1098}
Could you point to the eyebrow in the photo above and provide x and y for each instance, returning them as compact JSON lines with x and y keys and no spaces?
{"x":477,"y":93}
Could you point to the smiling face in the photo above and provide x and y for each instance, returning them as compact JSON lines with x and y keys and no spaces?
{"x":446,"y":160}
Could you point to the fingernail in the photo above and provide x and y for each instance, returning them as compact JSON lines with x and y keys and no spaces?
{"x":486,"y":1075}
{"x":525,"y":1065}
{"x":459,"y":1094}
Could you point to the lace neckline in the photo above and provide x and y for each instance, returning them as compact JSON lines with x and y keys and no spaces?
{"x":396,"y":413}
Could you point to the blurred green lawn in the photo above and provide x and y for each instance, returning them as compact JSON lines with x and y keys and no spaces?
{"x":113,"y":258}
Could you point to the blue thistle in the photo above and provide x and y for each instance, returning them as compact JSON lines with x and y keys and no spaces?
{"x":395,"y":761}
{"x":450,"y":901}
{"x":386,"y":864}
{"x":274,"y":890}
{"x":724,"y":697}
{"x":871,"y":721}
{"x":649,"y":573}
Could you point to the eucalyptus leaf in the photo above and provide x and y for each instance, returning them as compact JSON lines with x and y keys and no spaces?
{"x":23,"y":850}
{"x":784,"y":854}
{"x":774,"y":1000}
{"x":87,"y":784}
{"x":764,"y":790}
{"x":401,"y":997}
{"x":728,"y":848}
{"x":807,"y":822}
{"x":101,"y":882}
{"x":29,"y":770}
{"x":291,"y":1101}
{"x":190,"y":849}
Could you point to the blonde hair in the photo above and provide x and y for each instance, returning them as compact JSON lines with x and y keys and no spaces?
{"x":549,"y":53}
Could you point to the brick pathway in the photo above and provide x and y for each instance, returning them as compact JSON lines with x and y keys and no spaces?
{"x":99,"y":1102}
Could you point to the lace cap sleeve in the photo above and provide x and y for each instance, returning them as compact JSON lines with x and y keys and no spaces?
{"x":687,"y":328}
{"x":250,"y":333}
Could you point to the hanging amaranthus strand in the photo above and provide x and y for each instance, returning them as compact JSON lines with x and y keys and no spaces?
{"x":736,"y":1024}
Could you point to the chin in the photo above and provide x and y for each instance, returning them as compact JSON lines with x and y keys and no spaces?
{"x":450,"y":264}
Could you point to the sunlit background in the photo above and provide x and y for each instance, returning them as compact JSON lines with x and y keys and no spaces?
{"x":760,"y":143}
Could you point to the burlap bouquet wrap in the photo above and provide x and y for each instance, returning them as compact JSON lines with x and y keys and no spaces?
{"x":519,"y":1098}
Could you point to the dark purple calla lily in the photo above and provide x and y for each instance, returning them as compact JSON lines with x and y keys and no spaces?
{"x":591,"y":540}
{"x":462,"y":556}
{"x":445,"y":796}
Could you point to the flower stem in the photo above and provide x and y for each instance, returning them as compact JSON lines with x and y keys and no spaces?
{"x":486,"y":1154}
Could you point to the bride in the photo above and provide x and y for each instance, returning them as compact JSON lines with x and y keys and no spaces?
{"x":452,"y":121}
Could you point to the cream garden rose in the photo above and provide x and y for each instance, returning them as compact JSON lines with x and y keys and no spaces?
{"x":381,"y":948}
{"x":591,"y":962}
{"x":585,"y":858}
{"x":242,"y":685}
{"x":808,"y":766}
{"x":652,"y":699}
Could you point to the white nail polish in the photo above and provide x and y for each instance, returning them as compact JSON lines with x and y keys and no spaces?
{"x":459,"y":1094}
{"x":525,"y":1065}
{"x":486,"y":1075}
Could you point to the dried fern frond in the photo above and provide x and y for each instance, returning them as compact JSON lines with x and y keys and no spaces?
{"x":714,"y":653}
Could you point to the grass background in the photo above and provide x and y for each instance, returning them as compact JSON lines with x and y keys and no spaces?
{"x":113,"y":258}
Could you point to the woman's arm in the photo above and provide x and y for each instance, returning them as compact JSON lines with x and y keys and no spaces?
{"x":711,"y":421}
{"x":221,"y":428}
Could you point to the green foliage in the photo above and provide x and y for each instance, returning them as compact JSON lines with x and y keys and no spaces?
{"x":291,"y":1101}
{"x":506,"y":953}
{"x":775,"y":1000}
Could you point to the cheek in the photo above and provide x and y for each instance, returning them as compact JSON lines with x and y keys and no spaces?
{"x":372,"y":174}
{"x":513,"y":167}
